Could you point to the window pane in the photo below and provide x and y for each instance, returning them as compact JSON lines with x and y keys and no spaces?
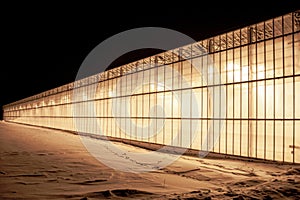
{"x":288,"y":101}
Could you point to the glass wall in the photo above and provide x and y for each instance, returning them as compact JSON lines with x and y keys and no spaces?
{"x":234,"y":94}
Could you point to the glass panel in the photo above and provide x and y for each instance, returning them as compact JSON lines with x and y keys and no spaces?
{"x":278,"y":58}
{"x":205,"y":103}
{"x":146,"y":105}
{"x":136,"y":83}
{"x":176,"y":132}
{"x":176,"y":75}
{"x":223,"y":67}
{"x":279,"y":98}
{"x":244,"y":139}
{"x":113,"y":128}
{"x":229,"y":39}
{"x":197,"y":72}
{"x":186,"y":74}
{"x":160,"y":79}
{"x":287,"y":20}
{"x":288,"y":141}
{"x":252,"y":62}
{"x":186,"y":103}
{"x":168,"y":105}
{"x":108,"y":108}
{"x":176,"y":107}
{"x":204,"y":134}
{"x":297,"y":52}
{"x":153,"y":130}
{"x":260,"y":139}
{"x":196,"y":134}
{"x":260,"y":65}
{"x":108,"y":126}
{"x":160,"y":105}
{"x":236,"y":65}
{"x":297,"y":97}
{"x":252,"y":100}
{"x":146,"y":129}
{"x":269,"y":99}
{"x":237,"y":138}
{"x":168,"y":131}
{"x":153,"y":80}
{"x":269,"y":140}
{"x":139,"y":106}
{"x":209,"y":136}
{"x":123,"y":112}
{"x":237,"y":101}
{"x":261,"y":100}
{"x":185,"y":140}
{"x":197,"y":103}
{"x":216,"y":134}
{"x":160,"y":131}
{"x":230,"y":66}
{"x":139,"y":128}
{"x":245,"y":64}
{"x":288,"y":55}
{"x":269,"y":59}
{"x":146,"y":86}
{"x":229,"y":136}
{"x":279,"y":140}
{"x":217,"y":72}
{"x":230,"y":101}
{"x":252,"y":138}
{"x":288,"y":100}
{"x":297,"y":142}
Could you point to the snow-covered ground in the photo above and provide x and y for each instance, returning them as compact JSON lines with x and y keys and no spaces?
{"x":38,"y":163}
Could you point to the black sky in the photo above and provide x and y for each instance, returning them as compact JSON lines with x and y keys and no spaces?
{"x":43,"y":46}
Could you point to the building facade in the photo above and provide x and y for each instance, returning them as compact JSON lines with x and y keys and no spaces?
{"x":232,"y":94}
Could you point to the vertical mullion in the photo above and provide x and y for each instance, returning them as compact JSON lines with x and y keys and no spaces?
{"x":149,"y":104}
{"x":111,"y":104}
{"x":136,"y":100}
{"x":117,"y":105}
{"x":241,"y":91}
{"x":234,"y":84}
{"x":143,"y":95}
{"x":164,"y":101}
{"x":125,"y":97}
{"x":213,"y":96}
{"x":274,"y":91}
{"x":256,"y":98}
{"x":201,"y":136}
{"x":102,"y":86}
{"x":120,"y":101}
{"x":172,"y":101}
{"x":207,"y":99}
{"x":265,"y":94}
{"x":249,"y":145}
{"x":191,"y":97}
{"x":226,"y":121}
{"x":180,"y":77}
{"x":156,"y":90}
{"x":283,"y":96}
{"x":107,"y":99}
{"x":111,"y":107}
{"x":293,"y":60}
{"x":220,"y":92}
{"x":129,"y":95}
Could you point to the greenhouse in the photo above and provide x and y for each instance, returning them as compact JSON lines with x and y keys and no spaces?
{"x":232,"y":94}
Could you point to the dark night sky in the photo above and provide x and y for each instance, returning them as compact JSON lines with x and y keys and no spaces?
{"x":43,"y":46}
